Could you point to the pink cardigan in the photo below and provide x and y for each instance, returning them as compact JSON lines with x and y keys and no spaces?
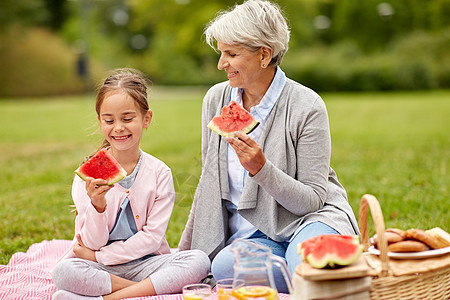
{"x":151,"y":197}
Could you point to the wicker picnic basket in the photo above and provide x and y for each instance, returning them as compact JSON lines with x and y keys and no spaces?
{"x":433,"y":284}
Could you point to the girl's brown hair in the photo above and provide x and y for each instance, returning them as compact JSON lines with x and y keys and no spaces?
{"x":124,"y":80}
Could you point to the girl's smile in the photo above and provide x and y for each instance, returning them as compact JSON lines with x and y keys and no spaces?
{"x":121,"y":138}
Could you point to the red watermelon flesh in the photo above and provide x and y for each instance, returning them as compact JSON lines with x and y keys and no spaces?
{"x":332,"y":250}
{"x":305,"y":247}
{"x":102,"y":165}
{"x":233,"y":118}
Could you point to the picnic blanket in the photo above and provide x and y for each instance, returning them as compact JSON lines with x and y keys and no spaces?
{"x":27,"y":275}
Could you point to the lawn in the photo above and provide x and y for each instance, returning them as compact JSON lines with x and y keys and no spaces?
{"x":393,"y":145}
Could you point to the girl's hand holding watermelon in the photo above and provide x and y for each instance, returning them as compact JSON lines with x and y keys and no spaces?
{"x":96,"y":190}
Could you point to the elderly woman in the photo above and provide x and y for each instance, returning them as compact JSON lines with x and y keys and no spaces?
{"x":275,"y":185}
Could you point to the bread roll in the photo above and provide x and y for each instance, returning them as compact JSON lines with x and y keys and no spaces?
{"x":422,"y":236}
{"x":397,"y":231}
{"x":408,"y":246}
{"x":442,"y":236}
{"x":391,"y":237}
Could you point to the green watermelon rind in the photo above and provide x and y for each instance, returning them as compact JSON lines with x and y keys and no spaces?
{"x":122,"y":173}
{"x":252,"y":126}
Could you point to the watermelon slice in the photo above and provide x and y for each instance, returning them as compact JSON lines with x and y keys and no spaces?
{"x":102,"y":165}
{"x":233,"y":118}
{"x":331,"y":250}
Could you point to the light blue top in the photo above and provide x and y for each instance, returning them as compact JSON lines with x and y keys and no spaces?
{"x":125,"y":226}
{"x":240,"y":227}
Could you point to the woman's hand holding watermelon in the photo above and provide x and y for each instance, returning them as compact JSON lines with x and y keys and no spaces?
{"x":249,"y":152}
{"x":96,"y":190}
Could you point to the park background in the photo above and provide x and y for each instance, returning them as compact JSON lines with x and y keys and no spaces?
{"x":382,"y":67}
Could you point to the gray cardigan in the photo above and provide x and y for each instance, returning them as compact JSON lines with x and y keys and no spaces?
{"x":295,"y":186}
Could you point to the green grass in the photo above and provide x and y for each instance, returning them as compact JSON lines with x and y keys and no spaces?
{"x":397,"y":147}
{"x":393,"y":145}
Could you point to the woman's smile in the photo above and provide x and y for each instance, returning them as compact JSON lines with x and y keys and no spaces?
{"x":231,"y":75}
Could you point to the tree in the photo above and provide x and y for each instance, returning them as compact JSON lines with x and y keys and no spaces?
{"x":47,"y":13}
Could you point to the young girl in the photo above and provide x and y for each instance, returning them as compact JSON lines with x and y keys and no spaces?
{"x":120,"y":248}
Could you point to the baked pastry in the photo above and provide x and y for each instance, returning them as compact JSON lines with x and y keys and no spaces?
{"x":408,"y":246}
{"x":391,"y":237}
{"x":442,"y":236}
{"x":397,"y":231}
{"x":422,"y":236}
{"x":414,"y":240}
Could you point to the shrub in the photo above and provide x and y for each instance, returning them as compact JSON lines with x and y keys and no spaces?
{"x":417,"y":61}
{"x":35,"y":62}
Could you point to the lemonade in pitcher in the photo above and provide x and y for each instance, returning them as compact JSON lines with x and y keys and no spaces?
{"x":253,"y":274}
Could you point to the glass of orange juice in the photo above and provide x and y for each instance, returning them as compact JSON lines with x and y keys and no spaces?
{"x":196,"y":291}
{"x":223,"y":288}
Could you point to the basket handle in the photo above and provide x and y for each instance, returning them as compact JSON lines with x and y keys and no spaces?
{"x":369,"y":201}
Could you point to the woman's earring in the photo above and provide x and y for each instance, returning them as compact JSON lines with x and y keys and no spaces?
{"x":264,"y":65}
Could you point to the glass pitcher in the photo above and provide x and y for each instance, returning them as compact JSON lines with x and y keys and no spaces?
{"x":253,"y":275}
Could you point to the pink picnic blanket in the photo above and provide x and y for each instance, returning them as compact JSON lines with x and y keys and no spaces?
{"x":27,"y":275}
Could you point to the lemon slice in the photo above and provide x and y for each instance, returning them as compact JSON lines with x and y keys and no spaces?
{"x":238,"y":295}
{"x":255,"y":291}
{"x":192,"y":296}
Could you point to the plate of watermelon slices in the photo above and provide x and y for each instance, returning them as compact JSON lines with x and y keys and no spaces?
{"x":412,"y":255}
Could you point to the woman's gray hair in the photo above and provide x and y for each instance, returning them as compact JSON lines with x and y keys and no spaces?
{"x":253,"y":24}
